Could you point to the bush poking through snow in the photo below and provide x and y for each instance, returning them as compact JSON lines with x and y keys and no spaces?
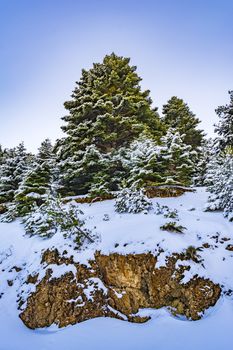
{"x":173,"y":227}
{"x":166,"y":211}
{"x":191,"y":253}
{"x":132,"y":201}
{"x":171,"y":214}
{"x":106,"y":217}
{"x":53,"y":216}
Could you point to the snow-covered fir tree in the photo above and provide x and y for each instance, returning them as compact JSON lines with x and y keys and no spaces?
{"x":38,"y":182}
{"x":177,"y":158}
{"x":108,"y":110}
{"x":141,"y":163}
{"x":224,"y":128}
{"x":1,"y":155}
{"x":46,"y":152}
{"x":12,"y":170}
{"x":205,"y":155}
{"x":177,"y":115}
{"x":52,"y":217}
{"x":219,"y":178}
{"x":220,"y":185}
{"x":130,"y":200}
{"x":81,"y":169}
{"x":111,"y":175}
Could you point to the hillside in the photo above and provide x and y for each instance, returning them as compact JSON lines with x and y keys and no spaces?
{"x":210,"y":257}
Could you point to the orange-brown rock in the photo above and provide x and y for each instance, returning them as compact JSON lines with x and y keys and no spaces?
{"x":53,"y":257}
{"x":63,"y":301}
{"x":116,"y":286}
{"x":91,"y":199}
{"x":32,"y":278}
{"x":166,"y":191}
{"x":142,"y":285}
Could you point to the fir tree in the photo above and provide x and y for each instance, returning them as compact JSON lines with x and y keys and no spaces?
{"x":12,"y":170}
{"x":224,"y":128}
{"x":46,"y":152}
{"x":141,"y":163}
{"x":219,"y":178}
{"x":1,"y":155}
{"x":77,"y":172}
{"x":108,"y":110}
{"x":220,"y":185}
{"x":177,"y":114}
{"x":146,"y":163}
{"x":130,"y":200}
{"x":177,"y":158}
{"x":52,"y":217}
{"x":38,"y":182}
{"x":205,"y":155}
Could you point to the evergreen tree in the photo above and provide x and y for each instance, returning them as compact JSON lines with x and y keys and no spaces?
{"x":1,"y":155}
{"x":108,"y":110}
{"x":220,"y":185}
{"x":38,"y":182}
{"x":52,"y":216}
{"x":46,"y":152}
{"x":12,"y":170}
{"x":177,"y":114}
{"x":177,"y":158}
{"x":142,"y":163}
{"x":132,"y":201}
{"x":205,"y":155}
{"x":146,"y":163}
{"x":219,"y":179}
{"x":109,"y":177}
{"x":224,"y":128}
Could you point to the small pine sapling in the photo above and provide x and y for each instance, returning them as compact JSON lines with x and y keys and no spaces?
{"x":173,"y":227}
{"x":132,"y":201}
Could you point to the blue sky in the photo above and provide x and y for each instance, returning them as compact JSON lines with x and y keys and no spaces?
{"x":181,"y":47}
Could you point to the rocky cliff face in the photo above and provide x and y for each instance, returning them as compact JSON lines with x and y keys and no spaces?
{"x":116,"y":286}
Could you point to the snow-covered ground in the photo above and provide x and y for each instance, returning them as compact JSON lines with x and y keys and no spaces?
{"x":125,"y":233}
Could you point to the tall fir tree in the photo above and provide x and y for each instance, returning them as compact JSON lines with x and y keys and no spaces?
{"x":177,"y":114}
{"x":108,"y":110}
{"x":224,"y":128}
{"x":219,"y":179}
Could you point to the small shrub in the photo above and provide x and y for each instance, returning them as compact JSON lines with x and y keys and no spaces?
{"x":191,"y":253}
{"x":161,"y":209}
{"x":171,"y":214}
{"x":106,"y":217}
{"x":52,"y":216}
{"x":132,"y":201}
{"x":166,"y":211}
{"x":173,"y":227}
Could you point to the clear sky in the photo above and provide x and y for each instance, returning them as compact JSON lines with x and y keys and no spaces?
{"x":181,"y":47}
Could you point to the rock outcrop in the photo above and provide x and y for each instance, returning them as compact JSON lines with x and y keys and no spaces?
{"x":116,"y":286}
{"x":166,"y":191}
